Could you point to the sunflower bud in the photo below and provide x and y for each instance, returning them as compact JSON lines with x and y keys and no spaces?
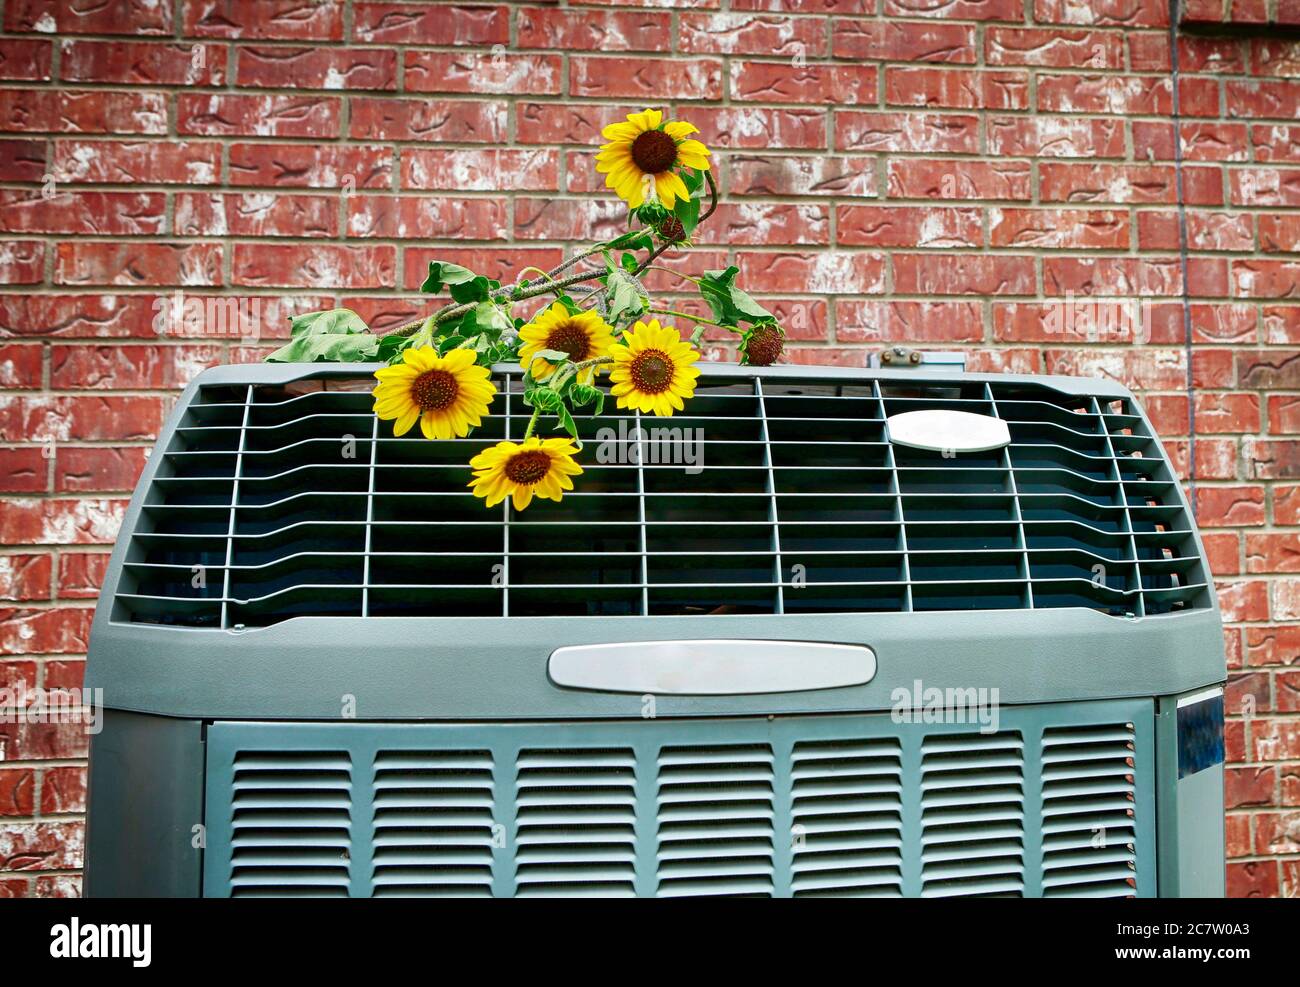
{"x":671,"y":230}
{"x":762,"y":345}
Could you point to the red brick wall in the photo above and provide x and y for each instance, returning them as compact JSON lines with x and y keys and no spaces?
{"x":933,"y":172}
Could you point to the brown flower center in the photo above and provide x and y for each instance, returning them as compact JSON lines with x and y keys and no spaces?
{"x":528,"y":468}
{"x":434,"y":390}
{"x":569,"y":338}
{"x":654,"y":151}
{"x":652,"y":372}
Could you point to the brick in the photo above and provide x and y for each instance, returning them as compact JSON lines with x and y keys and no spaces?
{"x":22,"y":262}
{"x":63,"y":790}
{"x":20,"y":367}
{"x":957,"y":88}
{"x":640,"y":30}
{"x":43,"y":741}
{"x":17,"y":791}
{"x":1276,"y":142}
{"x":1112,"y":276}
{"x":65,"y":111}
{"x":1234,"y":506}
{"x":1266,"y":279}
{"x":427,"y":120}
{"x":317,"y":68}
{"x":103,"y":18}
{"x":963,"y":274}
{"x":1283,"y":414}
{"x":101,"y":213}
{"x":311,"y":166}
{"x":916,"y":178}
{"x":60,"y":630}
{"x":1223,"y":551}
{"x":959,"y":10}
{"x":836,"y":273}
{"x":244,"y":115}
{"x":706,"y":34}
{"x":778,"y":82}
{"x":1279,"y":234}
{"x":417,"y":23}
{"x":1109,"y":13}
{"x":22,"y":160}
{"x":81,"y":574}
{"x":654,"y":79}
{"x":134,"y":367}
{"x":25,"y":60}
{"x":1262,"y":98}
{"x":1128,"y":95}
{"x":279,"y":20}
{"x":1272,"y":552}
{"x":877,"y":321}
{"x":907,"y":132}
{"x":1273,"y":645}
{"x":23,"y":470}
{"x":473,"y":170}
{"x":892,"y":41}
{"x":412,"y":217}
{"x":328,"y":266}
{"x":909,"y":226}
{"x":142,"y":63}
{"x":477,"y":72}
{"x":497,"y":262}
{"x":41,"y":846}
{"x":1051,"y":48}
{"x":1055,"y":137}
{"x":1058,"y":228}
{"x":799,"y":175}
{"x":253,"y":214}
{"x":1264,"y":186}
{"x":137,"y":162}
{"x":1205,"y":231}
{"x":95,"y":262}
{"x":746,"y":128}
{"x":764,"y":224}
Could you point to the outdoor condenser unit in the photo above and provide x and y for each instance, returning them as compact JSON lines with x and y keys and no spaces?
{"x":862,"y":651}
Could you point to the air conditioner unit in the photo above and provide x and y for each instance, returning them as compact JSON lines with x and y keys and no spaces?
{"x":904,"y":633}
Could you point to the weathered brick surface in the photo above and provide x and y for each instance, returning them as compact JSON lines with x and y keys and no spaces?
{"x":895,"y":171}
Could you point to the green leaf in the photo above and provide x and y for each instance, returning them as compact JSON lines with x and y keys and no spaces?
{"x":729,"y":304}
{"x":629,"y":262}
{"x":476,"y":289}
{"x":566,"y":421}
{"x":329,"y":321}
{"x":632,"y":240}
{"x":336,"y":335}
{"x":626,"y":297}
{"x":554,"y":356}
{"x":442,"y":273}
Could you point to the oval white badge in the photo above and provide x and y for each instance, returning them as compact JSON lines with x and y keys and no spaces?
{"x":941,"y":430}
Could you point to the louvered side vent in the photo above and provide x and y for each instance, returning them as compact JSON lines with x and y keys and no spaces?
{"x":972,"y":815}
{"x":848,"y":823}
{"x":291,"y":831}
{"x":576,"y":814}
{"x":1089,"y":829}
{"x":714,"y":812}
{"x":433,"y":829}
{"x":769,"y":495}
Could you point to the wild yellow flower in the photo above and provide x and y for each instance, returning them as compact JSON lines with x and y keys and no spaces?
{"x":521,"y":471}
{"x":642,"y":160}
{"x":584,"y":336}
{"x":653,"y":369}
{"x":446,"y":394}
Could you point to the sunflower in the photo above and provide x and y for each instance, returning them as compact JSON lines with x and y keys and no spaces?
{"x":521,"y":471}
{"x":448,"y":394}
{"x":584,"y":336}
{"x":652,"y":369}
{"x":642,"y":158}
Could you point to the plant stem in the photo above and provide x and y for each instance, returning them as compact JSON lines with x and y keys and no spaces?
{"x":532,"y":424}
{"x":686,"y":315}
